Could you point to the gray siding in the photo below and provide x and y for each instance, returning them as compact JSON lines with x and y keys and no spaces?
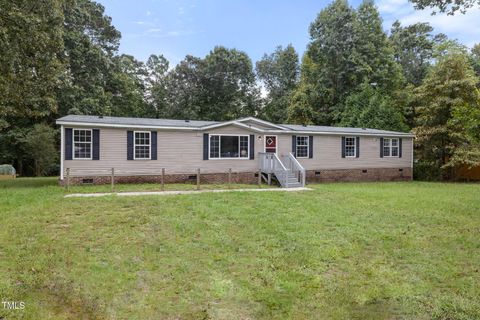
{"x":182,"y":152}
{"x":177,"y":152}
{"x":327,"y":153}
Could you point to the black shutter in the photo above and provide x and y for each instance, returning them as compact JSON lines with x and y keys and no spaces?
{"x":68,"y":143}
{"x":252,"y":147}
{"x":205,"y":146}
{"x":153,"y":145}
{"x":381,"y":147}
{"x":358,"y":147}
{"x":400,"y":147}
{"x":129,"y":145}
{"x":294,"y":145}
{"x":310,"y":147}
{"x":96,"y":144}
{"x":343,"y":147}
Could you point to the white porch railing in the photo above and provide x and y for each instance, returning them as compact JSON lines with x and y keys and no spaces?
{"x":288,"y":171}
{"x":293,"y":166}
{"x":270,"y":163}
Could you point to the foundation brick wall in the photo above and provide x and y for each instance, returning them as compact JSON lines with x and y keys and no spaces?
{"x":352,"y":175}
{"x":237,"y":177}
{"x":344,"y":175}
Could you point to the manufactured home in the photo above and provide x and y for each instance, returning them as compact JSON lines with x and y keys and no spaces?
{"x":95,"y":148}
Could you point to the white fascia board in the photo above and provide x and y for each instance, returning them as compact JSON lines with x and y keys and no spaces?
{"x":246,"y":126}
{"x":262,"y":122}
{"x":228,"y":123}
{"x":218,"y":125}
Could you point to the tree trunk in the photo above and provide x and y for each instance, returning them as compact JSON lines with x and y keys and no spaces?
{"x":19,"y":167}
{"x":37,"y":169}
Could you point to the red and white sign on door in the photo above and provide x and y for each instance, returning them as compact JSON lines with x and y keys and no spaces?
{"x":271,"y":144}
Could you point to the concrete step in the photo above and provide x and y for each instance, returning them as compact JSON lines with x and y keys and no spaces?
{"x":294,"y":185}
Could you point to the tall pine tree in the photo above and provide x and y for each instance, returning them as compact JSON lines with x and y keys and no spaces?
{"x":348,"y":49}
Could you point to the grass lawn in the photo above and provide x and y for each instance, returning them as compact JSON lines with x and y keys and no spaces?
{"x":341,"y":251}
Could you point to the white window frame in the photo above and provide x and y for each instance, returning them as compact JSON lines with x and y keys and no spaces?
{"x":73,"y":144}
{"x":265,"y":142}
{"x":390,"y":148}
{"x":354,"y":147}
{"x":149,"y":145}
{"x":308,"y":146}
{"x":220,"y":146}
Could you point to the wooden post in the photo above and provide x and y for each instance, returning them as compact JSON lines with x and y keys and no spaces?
{"x":68,"y":179}
{"x":112,"y":179}
{"x":229,"y":177}
{"x":269,"y":179}
{"x":259,"y":178}
{"x":198,"y":179}
{"x":163,"y":179}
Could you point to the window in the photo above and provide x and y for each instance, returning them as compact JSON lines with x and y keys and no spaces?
{"x":350,"y":147}
{"x":229,"y":146}
{"x":390,"y":147}
{"x":82,"y":144}
{"x":142,"y":145}
{"x":302,"y":147}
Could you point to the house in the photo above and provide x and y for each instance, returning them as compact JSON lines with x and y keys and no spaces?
{"x":138,"y":149}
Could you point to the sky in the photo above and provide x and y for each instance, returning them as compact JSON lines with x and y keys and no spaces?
{"x":176,"y":28}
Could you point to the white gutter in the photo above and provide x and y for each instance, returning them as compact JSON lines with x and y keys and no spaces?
{"x":344,"y":133}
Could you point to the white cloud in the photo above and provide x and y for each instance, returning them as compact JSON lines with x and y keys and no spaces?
{"x":464,"y":27}
{"x":154,"y":30}
{"x":143,"y":23}
{"x":161,"y":33}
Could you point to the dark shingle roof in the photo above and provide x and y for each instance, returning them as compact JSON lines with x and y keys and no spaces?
{"x":310,"y":128}
{"x":196,"y":124}
{"x":136,"y":121}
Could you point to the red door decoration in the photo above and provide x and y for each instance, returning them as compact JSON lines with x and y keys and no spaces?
{"x":271,"y":144}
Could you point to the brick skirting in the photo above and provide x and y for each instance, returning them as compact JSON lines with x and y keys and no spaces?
{"x":375,"y":174}
{"x":237,"y":177}
{"x":352,"y":175}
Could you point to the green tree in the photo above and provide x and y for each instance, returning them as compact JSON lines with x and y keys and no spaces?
{"x":156,"y":84}
{"x":219,"y":87}
{"x":39,"y":145}
{"x":12,"y":148}
{"x":184,"y":90}
{"x":126,"y":82}
{"x":90,"y":42}
{"x":300,"y":110}
{"x":30,"y":68}
{"x":348,"y":48}
{"x":475,"y":54}
{"x":466,"y":121}
{"x":369,"y":108}
{"x":413,"y":46}
{"x":330,"y":69}
{"x":230,"y":85}
{"x":374,"y":55}
{"x":279,"y":73}
{"x":450,"y":85}
{"x":448,"y":6}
